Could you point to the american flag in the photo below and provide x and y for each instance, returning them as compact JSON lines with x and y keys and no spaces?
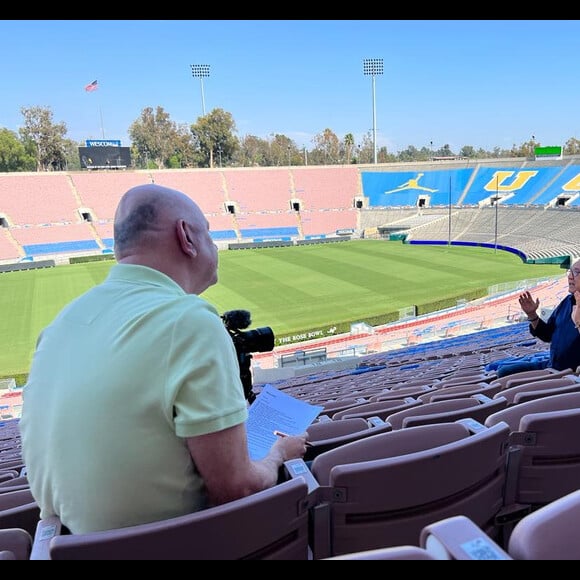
{"x":92,"y":87}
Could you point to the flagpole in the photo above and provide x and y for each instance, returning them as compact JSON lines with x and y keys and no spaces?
{"x":102,"y":128}
{"x":90,"y":88}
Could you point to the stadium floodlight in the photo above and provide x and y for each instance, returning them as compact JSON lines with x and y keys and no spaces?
{"x":373,"y":67}
{"x":496,"y":209}
{"x":200,"y":71}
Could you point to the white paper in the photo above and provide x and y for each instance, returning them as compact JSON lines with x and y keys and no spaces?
{"x":272,"y":411}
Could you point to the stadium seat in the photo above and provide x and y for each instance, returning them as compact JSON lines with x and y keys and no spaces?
{"x":529,"y":391}
{"x":549,"y":533}
{"x":477,"y":407}
{"x":268,"y":525}
{"x":459,"y":379}
{"x":7,"y":475}
{"x":381,"y":491}
{"x":544,"y":453}
{"x":393,"y":553}
{"x":20,"y":481}
{"x":459,"y":391}
{"x":529,"y":375}
{"x":15,"y":544}
{"x":515,"y":380}
{"x":400,"y":393}
{"x":327,"y":435}
{"x":19,"y":510}
{"x":377,"y":409}
{"x":340,"y":404}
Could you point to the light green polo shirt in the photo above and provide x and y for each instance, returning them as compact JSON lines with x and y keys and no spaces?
{"x":121,"y":376}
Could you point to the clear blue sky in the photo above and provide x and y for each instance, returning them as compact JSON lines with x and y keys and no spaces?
{"x":483,"y":83}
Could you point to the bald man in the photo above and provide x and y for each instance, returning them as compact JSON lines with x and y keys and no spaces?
{"x":134,"y":409}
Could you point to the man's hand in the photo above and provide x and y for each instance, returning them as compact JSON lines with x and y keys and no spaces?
{"x":576,"y":310}
{"x":528,"y":304}
{"x":291,"y":446}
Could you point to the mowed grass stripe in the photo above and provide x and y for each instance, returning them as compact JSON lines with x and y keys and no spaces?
{"x":290,"y":289}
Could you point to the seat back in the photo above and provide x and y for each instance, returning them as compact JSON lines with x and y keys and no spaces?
{"x":393,"y":553}
{"x":528,"y":375}
{"x":379,"y":409}
{"x":271,"y":524}
{"x":19,"y":510}
{"x":460,"y":391}
{"x":527,"y":391}
{"x":463,"y":379}
{"x":549,"y":464}
{"x":450,"y":410}
{"x":441,"y":407}
{"x":514,"y":380}
{"x":15,"y":544}
{"x":544,"y":455}
{"x":338,"y":405}
{"x":321,"y":438}
{"x":513,"y":415}
{"x":383,"y":490}
{"x":328,"y":429}
{"x":549,"y":533}
{"x":400,"y":392}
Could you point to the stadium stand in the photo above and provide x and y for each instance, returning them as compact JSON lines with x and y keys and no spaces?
{"x":537,"y":219}
{"x":427,"y":372}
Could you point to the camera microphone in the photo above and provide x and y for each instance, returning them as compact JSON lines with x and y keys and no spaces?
{"x":237,"y":319}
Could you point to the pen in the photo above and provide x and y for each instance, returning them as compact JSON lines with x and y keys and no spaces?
{"x":282,"y":434}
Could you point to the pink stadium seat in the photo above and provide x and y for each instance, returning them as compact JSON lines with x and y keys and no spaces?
{"x":268,"y":525}
{"x":529,"y":375}
{"x":381,"y":491}
{"x":377,"y":409}
{"x":393,"y":553}
{"x":15,"y":544}
{"x":528,"y":391}
{"x":330,"y":434}
{"x":549,"y":533}
{"x":477,"y":407}
{"x":459,"y":391}
{"x":544,"y":453}
{"x":19,"y":510}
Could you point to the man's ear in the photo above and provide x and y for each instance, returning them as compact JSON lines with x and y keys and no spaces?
{"x":184,"y":239}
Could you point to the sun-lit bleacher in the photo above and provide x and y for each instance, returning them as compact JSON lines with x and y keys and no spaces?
{"x":535,"y":213}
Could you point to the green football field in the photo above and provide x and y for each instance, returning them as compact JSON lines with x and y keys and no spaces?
{"x":291,"y":289}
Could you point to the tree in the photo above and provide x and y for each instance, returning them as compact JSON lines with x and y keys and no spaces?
{"x":572,"y":147}
{"x":467,"y":151}
{"x":409,"y":154}
{"x":348,"y":144}
{"x":156,"y":137}
{"x":252,"y":152}
{"x":214,"y":136}
{"x":326,"y":148}
{"x":366,"y":149}
{"x":281,"y":150}
{"x":13,"y":155}
{"x":46,"y":137}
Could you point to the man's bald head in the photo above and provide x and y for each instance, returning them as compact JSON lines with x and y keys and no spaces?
{"x":164,"y":229}
{"x":145,"y":214}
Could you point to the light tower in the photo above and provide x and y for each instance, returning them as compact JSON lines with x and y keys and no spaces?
{"x":373,"y":67}
{"x":200,"y":71}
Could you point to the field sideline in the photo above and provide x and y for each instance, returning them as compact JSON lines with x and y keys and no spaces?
{"x":291,"y":289}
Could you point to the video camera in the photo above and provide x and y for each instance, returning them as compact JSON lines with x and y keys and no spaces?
{"x":256,"y":340}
